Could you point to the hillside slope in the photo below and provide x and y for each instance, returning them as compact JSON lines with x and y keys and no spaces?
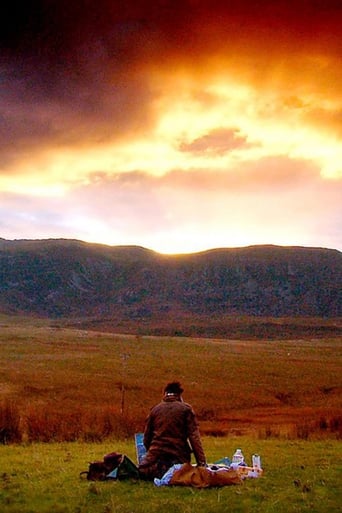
{"x":70,"y":278}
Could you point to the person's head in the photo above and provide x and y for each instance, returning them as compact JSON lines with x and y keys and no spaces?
{"x":173,"y":388}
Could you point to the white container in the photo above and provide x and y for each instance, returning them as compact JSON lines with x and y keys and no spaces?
{"x":256,"y":462}
{"x":238,"y":457}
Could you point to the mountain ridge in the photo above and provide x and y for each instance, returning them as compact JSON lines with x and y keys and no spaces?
{"x":73,"y":279}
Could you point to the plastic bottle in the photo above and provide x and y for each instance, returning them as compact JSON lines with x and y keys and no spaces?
{"x":238,"y":457}
{"x":256,"y":462}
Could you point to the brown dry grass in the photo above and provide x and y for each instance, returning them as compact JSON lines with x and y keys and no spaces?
{"x":68,"y":384}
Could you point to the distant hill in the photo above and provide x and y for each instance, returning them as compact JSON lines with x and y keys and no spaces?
{"x":61,"y":278}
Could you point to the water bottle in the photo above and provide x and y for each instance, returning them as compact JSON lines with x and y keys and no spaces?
{"x":238,"y":457}
{"x":256,"y":462}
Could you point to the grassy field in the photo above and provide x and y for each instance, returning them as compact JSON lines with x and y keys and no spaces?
{"x":299,"y":476}
{"x":68,"y":384}
{"x":87,"y":392}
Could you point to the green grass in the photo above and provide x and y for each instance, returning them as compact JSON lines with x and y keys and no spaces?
{"x":299,"y":476}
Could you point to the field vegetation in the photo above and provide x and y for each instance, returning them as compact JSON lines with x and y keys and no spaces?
{"x":69,"y":396}
{"x":60,"y":384}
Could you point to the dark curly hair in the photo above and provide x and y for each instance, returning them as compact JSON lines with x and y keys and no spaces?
{"x":173,"y":388}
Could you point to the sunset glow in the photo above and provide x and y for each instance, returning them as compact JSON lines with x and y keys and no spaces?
{"x":175,"y":126}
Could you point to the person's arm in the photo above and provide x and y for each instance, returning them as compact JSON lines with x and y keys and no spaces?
{"x":148,"y":432}
{"x":195,"y":439}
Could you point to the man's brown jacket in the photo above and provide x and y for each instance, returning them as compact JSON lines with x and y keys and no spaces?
{"x":172,"y":432}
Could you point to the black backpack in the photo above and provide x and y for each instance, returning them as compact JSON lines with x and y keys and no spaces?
{"x":113,"y":466}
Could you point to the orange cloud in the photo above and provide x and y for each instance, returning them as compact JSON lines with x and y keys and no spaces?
{"x":159,"y":108}
{"x":219,"y":141}
{"x":277,"y":200}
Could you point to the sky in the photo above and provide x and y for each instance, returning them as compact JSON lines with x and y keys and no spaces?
{"x":176,"y":125}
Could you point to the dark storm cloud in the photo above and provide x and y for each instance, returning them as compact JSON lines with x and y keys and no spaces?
{"x":61,"y":39}
{"x":77,"y":72}
{"x":68,"y":74}
{"x":55,"y":44}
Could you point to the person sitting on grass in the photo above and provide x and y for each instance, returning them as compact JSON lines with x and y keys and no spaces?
{"x":171,"y":434}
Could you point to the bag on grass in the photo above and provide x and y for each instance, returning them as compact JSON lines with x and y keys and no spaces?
{"x":113,"y":466}
{"x":204,"y":477}
{"x":97,"y":471}
{"x":125,"y":470}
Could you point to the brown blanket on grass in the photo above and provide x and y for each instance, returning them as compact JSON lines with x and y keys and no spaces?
{"x":202,"y":477}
